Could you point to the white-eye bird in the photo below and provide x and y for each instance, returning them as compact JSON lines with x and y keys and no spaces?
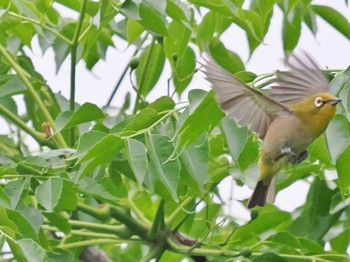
{"x":287,"y":116}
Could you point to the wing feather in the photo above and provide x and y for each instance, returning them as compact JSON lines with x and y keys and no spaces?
{"x":248,"y":106}
{"x":304,"y":80}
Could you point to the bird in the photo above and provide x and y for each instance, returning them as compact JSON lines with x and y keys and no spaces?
{"x":287,"y":116}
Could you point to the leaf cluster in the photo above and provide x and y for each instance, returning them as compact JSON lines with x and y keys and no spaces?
{"x":144,"y":185}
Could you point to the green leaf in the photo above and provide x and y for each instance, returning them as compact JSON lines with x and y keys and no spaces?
{"x":334,"y":18}
{"x":184,"y":70}
{"x":59,"y":255}
{"x":176,"y":41}
{"x":90,"y":187}
{"x":341,"y":242}
{"x":17,"y":191}
{"x":225,"y":7}
{"x":236,"y":137}
{"x":86,"y":141}
{"x":340,"y":87}
{"x":253,"y":24}
{"x":32,"y":251}
{"x":133,"y":30}
{"x":286,"y":239}
{"x":249,"y":154}
{"x":245,"y":76}
{"x":291,"y":29}
{"x":4,"y":199}
{"x":150,"y":68}
{"x":101,"y":153}
{"x":310,"y":20}
{"x":226,"y":58}
{"x":343,"y":169}
{"x":309,"y":224}
{"x":211,"y":23}
{"x":11,"y":85}
{"x":269,"y":219}
{"x":61,"y":48}
{"x":32,"y":215}
{"x":15,"y":248}
{"x":338,"y":136}
{"x":69,"y":196}
{"x":204,"y":220}
{"x":178,"y":10}
{"x":195,"y":162}
{"x":86,"y":113}
{"x":265,"y":9}
{"x":148,"y":117}
{"x":58,"y":221}
{"x":310,"y":246}
{"x":48,"y":193}
{"x":268,"y":257}
{"x":319,"y":150}
{"x":152,"y":19}
{"x":137,"y":157}
{"x":25,"y":228}
{"x":158,"y":223}
{"x":166,"y":171}
{"x":130,"y":10}
{"x":205,"y":117}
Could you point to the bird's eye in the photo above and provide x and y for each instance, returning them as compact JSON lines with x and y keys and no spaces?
{"x":318,"y":101}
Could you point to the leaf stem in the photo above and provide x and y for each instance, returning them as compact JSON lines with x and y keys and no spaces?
{"x":74,"y":47}
{"x":120,"y":80}
{"x":170,"y":220}
{"x":30,"y":20}
{"x":22,"y":75}
{"x":38,"y":136}
{"x":99,"y":213}
{"x":82,"y":233}
{"x":138,"y":213}
{"x":118,"y":230}
{"x":132,"y":224}
{"x":91,"y":242}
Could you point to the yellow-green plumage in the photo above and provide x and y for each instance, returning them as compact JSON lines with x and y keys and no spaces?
{"x":296,"y":111}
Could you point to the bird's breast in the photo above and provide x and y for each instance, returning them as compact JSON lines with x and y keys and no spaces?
{"x":286,"y":131}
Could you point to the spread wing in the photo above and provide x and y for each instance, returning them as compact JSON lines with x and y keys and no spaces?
{"x":304,"y":80}
{"x":248,"y":106}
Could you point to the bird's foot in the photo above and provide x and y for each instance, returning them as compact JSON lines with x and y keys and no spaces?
{"x":294,"y":160}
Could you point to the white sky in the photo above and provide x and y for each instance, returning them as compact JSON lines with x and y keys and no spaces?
{"x":329,"y":48}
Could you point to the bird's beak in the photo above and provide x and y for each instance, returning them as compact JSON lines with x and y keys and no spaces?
{"x":333,"y":101}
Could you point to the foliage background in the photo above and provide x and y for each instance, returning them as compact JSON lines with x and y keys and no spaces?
{"x":140,"y":182}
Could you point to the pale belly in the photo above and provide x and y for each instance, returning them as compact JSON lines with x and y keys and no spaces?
{"x":285,"y":134}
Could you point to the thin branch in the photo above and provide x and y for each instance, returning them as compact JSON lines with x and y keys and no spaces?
{"x":91,"y":242}
{"x":74,"y":47}
{"x":131,"y":223}
{"x":22,"y":75}
{"x":140,"y":216}
{"x":179,"y":209}
{"x":30,"y":20}
{"x":38,"y":136}
{"x":118,"y":230}
{"x":99,"y":213}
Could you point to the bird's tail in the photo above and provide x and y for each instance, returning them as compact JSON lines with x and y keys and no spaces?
{"x":259,"y":195}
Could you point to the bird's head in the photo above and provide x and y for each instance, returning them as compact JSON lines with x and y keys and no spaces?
{"x":322,"y":103}
{"x":316,"y":111}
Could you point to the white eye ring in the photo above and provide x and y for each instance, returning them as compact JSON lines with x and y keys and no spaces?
{"x":318,"y":101}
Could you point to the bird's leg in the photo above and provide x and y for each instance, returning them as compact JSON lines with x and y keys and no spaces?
{"x":300,"y":158}
{"x":294,"y":159}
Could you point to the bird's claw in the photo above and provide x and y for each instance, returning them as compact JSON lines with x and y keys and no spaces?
{"x":294,"y":160}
